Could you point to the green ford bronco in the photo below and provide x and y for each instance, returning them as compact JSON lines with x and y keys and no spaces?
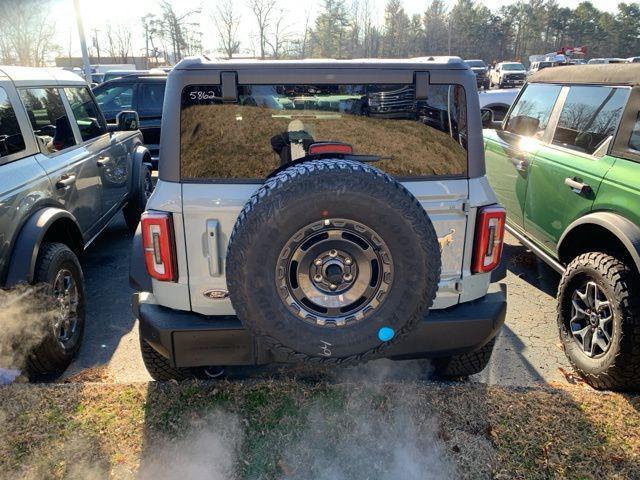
{"x":564,"y":164}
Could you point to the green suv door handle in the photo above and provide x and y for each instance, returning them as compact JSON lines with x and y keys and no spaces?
{"x":520,"y":165}
{"x":576,"y":186}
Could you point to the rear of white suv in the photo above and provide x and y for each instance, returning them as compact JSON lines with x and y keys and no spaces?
{"x":317,"y":227}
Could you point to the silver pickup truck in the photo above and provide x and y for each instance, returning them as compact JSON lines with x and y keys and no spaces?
{"x":64,"y":174}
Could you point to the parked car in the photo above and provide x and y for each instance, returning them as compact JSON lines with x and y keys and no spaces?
{"x":480,"y":69}
{"x":536,"y":66}
{"x":633,"y":60}
{"x":321,"y":236}
{"x":507,"y":74}
{"x":113,"y":74}
{"x":565,"y":164}
{"x":498,"y":101}
{"x":64,"y":177}
{"x":601,"y":61}
{"x":143,"y":93}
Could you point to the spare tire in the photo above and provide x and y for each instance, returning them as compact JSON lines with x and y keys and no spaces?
{"x":331,"y":261}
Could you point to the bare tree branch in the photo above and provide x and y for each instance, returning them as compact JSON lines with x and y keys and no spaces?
{"x":226,"y":22}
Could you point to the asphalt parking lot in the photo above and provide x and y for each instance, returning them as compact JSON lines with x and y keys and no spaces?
{"x":527,"y":352}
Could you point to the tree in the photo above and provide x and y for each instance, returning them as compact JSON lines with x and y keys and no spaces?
{"x":26,"y":32}
{"x":435,"y":28}
{"x":262,"y":10}
{"x":226,"y":22}
{"x":396,"y":30}
{"x":329,"y":38}
{"x":280,"y":36}
{"x":178,"y":29}
{"x":119,"y":43}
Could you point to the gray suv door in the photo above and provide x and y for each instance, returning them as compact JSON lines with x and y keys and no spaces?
{"x":109,"y":154}
{"x":71,"y":168}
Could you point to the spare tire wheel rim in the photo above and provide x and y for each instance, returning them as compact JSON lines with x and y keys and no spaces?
{"x":334,"y":272}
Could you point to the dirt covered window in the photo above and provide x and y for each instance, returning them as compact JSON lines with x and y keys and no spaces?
{"x":270,"y":126}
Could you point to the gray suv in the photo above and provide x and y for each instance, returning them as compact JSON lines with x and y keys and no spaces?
{"x":310,"y":227}
{"x":64,"y":174}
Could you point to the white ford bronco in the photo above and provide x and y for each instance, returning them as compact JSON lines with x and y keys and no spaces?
{"x":319,"y":211}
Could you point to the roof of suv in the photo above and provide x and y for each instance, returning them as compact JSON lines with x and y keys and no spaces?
{"x":137,"y":77}
{"x":617,"y":74}
{"x":203,"y":63}
{"x":27,"y":76}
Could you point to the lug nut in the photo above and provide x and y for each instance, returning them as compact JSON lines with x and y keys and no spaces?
{"x":347,"y":277}
{"x":318,"y":261}
{"x":348,"y":261}
{"x":333,"y":253}
{"x":317,"y":278}
{"x":332,"y":286}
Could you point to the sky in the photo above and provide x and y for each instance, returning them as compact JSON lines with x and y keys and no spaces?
{"x":97,"y":14}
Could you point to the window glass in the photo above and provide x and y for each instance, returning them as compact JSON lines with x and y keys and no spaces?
{"x":48,"y":119}
{"x":150,"y":98}
{"x":273,"y":125}
{"x":11,"y":140}
{"x":114,"y":99}
{"x":530,"y":115}
{"x":589,"y":117}
{"x":634,"y":141}
{"x":513,"y":66}
{"x":85,"y":112}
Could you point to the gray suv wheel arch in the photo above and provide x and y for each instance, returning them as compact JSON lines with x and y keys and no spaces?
{"x":141,"y":157}
{"x":27,"y":244}
{"x":627,"y":233}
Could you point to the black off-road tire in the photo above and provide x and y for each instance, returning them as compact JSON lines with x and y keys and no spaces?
{"x":50,"y":357}
{"x":619,"y":367}
{"x":303,"y":195}
{"x":138,"y":201}
{"x":160,"y":369}
{"x":463,"y":365}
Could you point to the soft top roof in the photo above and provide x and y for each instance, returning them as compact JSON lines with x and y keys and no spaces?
{"x":29,"y":76}
{"x":201,"y":63}
{"x":606,"y":74}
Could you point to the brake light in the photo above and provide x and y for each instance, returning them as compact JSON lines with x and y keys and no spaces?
{"x":158,"y":245}
{"x":330,"y":147}
{"x":489,"y":238}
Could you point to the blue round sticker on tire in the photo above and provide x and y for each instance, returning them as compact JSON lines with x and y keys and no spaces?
{"x":385,"y":334}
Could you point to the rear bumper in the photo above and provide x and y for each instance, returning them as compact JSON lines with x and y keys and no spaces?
{"x":189,"y":339}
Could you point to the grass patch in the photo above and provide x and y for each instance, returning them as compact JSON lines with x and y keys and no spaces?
{"x":275,"y":429}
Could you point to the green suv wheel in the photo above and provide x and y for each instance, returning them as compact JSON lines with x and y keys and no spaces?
{"x":599,"y":321}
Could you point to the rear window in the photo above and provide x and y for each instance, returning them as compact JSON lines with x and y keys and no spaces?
{"x":11,"y":140}
{"x":270,"y":126}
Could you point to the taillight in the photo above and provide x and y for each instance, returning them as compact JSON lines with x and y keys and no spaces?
{"x":158,"y":245}
{"x":330,"y":147}
{"x":489,"y":238}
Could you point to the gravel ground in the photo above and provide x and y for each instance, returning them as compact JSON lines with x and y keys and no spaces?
{"x":527,"y":352}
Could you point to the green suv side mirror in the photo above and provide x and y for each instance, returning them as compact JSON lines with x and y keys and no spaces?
{"x":127,"y":120}
{"x":487,"y":118}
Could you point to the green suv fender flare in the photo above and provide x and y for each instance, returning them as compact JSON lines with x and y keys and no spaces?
{"x":627,"y":232}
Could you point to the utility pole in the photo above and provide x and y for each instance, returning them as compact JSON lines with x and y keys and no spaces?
{"x":449,"y":36}
{"x":83,"y":42}
{"x":96,"y":42}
